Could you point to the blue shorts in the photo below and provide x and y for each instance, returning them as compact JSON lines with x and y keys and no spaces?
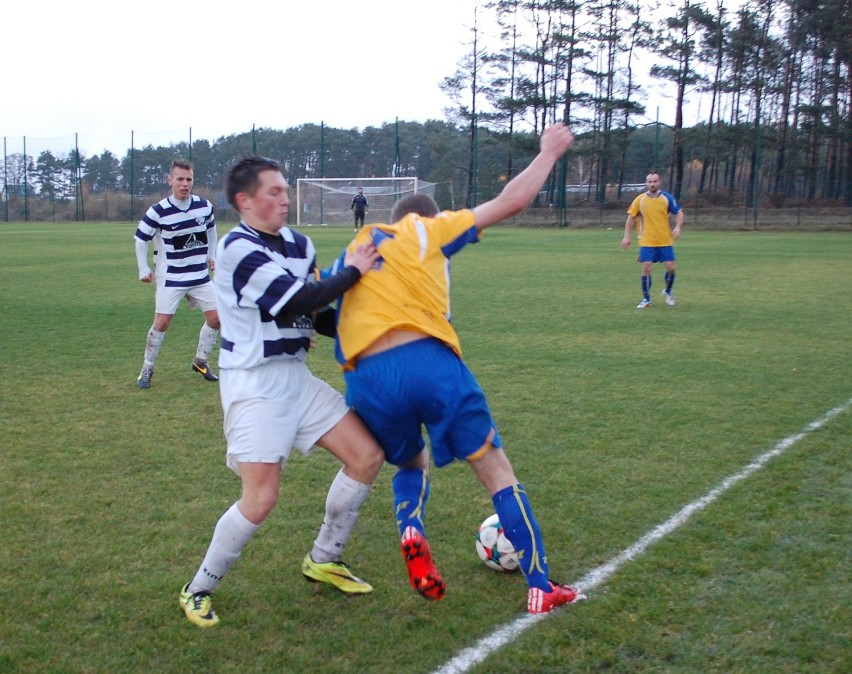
{"x":656,"y":254}
{"x":422,"y":383}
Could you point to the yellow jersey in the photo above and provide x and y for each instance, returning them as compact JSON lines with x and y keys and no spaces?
{"x":409,"y":287}
{"x":652,"y":215}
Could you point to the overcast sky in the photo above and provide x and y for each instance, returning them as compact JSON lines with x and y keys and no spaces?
{"x":102,"y":69}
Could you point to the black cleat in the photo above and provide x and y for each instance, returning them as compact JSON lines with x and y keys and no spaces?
{"x":202,"y":367}
{"x":144,"y":378}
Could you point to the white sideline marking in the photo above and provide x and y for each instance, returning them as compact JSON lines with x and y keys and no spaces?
{"x":509,"y":632}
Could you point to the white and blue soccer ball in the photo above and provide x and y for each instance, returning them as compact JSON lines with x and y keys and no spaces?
{"x":494,"y":548}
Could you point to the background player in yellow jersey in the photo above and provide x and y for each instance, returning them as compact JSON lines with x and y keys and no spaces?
{"x":403,"y":369}
{"x":651,"y":210}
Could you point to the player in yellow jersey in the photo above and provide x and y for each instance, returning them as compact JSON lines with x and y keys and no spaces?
{"x":650,"y":212}
{"x":403,"y":369}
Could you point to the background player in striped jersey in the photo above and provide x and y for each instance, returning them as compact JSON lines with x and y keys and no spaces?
{"x":267,"y":299}
{"x":403,"y":369}
{"x":650,"y":211}
{"x":183,"y":230}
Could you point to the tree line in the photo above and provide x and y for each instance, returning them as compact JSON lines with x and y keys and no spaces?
{"x":776,"y":72}
{"x":777,"y":129}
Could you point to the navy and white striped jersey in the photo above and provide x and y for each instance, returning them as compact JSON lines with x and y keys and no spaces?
{"x":184,"y":234}
{"x":256,"y":275}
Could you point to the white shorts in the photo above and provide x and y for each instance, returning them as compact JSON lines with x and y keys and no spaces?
{"x":198,"y":297}
{"x":273,"y":408}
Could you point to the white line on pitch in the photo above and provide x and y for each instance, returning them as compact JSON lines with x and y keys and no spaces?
{"x":511,"y":631}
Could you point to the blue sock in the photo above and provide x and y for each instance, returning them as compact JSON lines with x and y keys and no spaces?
{"x":646,"y":286}
{"x":520,"y":526}
{"x":410,"y":492}
{"x":669,"y":281}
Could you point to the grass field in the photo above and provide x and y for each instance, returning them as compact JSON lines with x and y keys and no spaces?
{"x":615,"y":419}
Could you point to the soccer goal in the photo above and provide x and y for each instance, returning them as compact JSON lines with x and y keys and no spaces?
{"x":328,"y":201}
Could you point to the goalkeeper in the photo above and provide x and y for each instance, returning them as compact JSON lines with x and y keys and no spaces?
{"x":359,"y":208}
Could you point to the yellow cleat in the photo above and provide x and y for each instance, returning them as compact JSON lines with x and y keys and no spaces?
{"x":198,"y":607}
{"x":334,"y":573}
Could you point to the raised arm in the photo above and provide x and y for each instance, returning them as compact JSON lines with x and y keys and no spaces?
{"x":523,"y":188}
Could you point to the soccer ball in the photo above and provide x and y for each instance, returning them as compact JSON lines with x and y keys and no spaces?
{"x":494,"y":548}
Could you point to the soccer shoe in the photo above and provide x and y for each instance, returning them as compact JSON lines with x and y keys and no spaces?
{"x":422,"y":574}
{"x":202,"y":367}
{"x":669,"y":298}
{"x":144,"y":378}
{"x":334,"y":573}
{"x":198,"y":607}
{"x":539,"y":601}
{"x":644,"y":304}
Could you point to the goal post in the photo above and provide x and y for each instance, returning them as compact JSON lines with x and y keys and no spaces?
{"x":328,"y":201}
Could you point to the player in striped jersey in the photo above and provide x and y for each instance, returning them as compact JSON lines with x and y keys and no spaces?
{"x":183,"y":229}
{"x":403,"y":370}
{"x":268,"y":301}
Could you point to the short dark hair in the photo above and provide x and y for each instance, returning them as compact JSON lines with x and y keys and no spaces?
{"x":422,"y":204}
{"x":181,"y":164}
{"x":244,"y":176}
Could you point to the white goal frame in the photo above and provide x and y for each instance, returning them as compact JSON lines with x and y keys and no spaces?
{"x":327,"y":201}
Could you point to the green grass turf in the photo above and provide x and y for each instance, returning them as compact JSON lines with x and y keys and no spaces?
{"x":614,"y":420}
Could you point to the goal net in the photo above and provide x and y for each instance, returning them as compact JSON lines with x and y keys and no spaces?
{"x":328,"y":201}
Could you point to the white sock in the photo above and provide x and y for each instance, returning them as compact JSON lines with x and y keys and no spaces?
{"x":342,"y":507}
{"x":230,"y":536}
{"x":152,"y":347}
{"x":206,"y":341}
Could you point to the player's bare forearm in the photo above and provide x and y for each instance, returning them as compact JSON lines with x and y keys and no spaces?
{"x":523,"y":188}
{"x":625,"y":242}
{"x":678,"y":225}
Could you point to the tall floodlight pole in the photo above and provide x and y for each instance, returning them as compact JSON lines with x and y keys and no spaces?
{"x":322,"y":169}
{"x":396,"y":164}
{"x":755,"y":193}
{"x":132,"y":176}
{"x":5,"y":183}
{"x":78,"y":192}
{"x":657,"y":142}
{"x":562,"y":183}
{"x":76,"y":180}
{"x":26,"y":187}
{"x":474,"y":165}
